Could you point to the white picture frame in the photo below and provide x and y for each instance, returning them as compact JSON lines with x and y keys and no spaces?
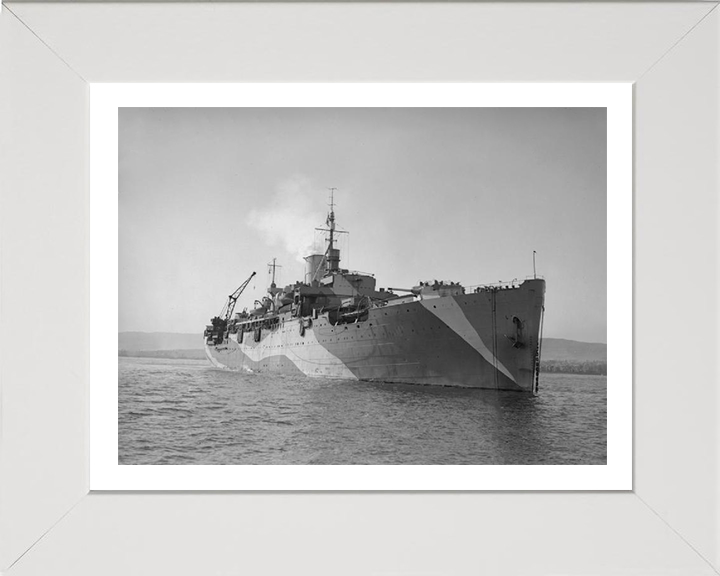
{"x":668,"y":523}
{"x":106,"y":473}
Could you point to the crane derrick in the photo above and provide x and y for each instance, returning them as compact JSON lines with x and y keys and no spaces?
{"x":219,"y":323}
{"x":229,"y":307}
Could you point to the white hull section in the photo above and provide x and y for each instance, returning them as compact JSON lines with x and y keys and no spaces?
{"x":303,"y":351}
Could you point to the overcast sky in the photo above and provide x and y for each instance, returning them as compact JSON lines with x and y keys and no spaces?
{"x":208,"y":195}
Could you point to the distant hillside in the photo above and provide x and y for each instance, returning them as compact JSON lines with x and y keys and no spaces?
{"x":553,"y":349}
{"x":173,"y":354}
{"x":147,"y":341}
{"x":559,"y":349}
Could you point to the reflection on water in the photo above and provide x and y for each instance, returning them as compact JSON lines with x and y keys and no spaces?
{"x":186,"y":412}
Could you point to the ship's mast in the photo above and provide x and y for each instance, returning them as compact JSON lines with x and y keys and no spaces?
{"x":331,"y":218}
{"x":272,"y":266}
{"x":332,"y":254}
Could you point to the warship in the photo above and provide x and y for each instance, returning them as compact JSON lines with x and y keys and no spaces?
{"x":338,"y":324}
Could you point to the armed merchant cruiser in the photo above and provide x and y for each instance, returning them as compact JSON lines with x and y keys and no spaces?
{"x":338,"y":324}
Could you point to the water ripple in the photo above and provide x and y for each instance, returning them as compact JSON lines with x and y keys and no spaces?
{"x":186,"y":412}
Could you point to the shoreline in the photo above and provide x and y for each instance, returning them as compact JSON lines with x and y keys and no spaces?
{"x":581,"y":367}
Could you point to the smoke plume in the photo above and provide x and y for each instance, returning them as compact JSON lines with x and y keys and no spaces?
{"x":296,"y":208}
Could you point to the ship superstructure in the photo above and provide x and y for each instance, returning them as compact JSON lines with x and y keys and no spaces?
{"x":338,"y":324}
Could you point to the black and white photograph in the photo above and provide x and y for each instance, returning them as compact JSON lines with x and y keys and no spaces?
{"x":379,"y":286}
{"x":397,"y":275}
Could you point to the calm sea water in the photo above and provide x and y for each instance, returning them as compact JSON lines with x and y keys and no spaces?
{"x":186,"y":412}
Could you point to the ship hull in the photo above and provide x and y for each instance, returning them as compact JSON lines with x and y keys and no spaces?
{"x":488,"y":339}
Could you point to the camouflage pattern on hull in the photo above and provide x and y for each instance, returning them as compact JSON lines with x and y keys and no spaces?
{"x":486,"y":339}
